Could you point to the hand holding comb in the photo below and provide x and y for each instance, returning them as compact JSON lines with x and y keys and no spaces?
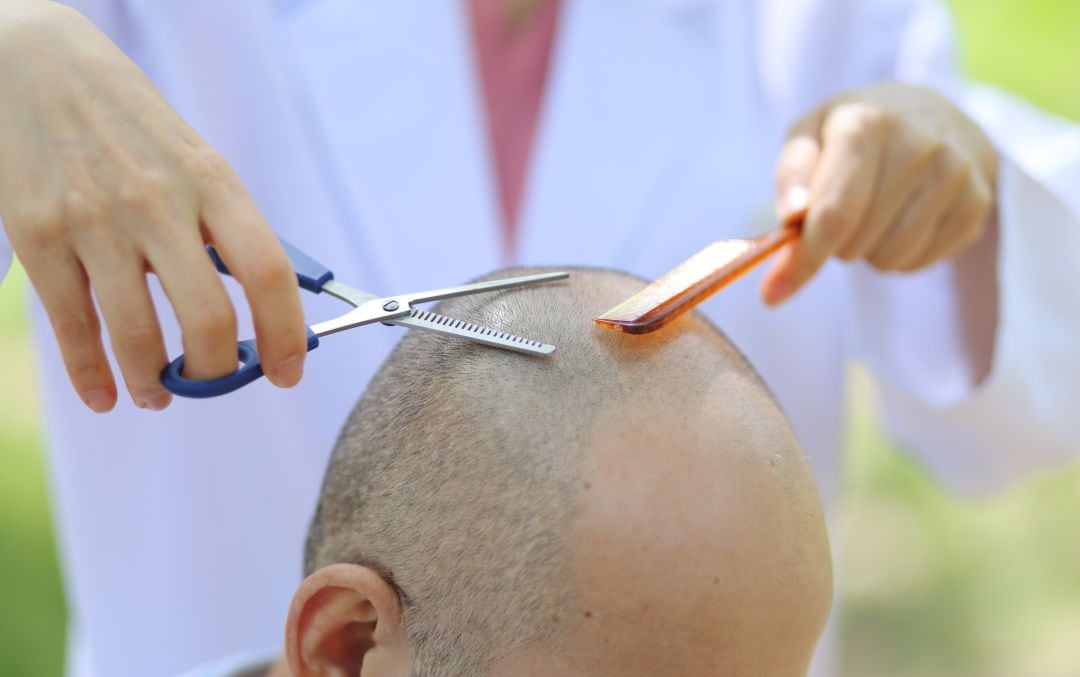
{"x":696,"y":279}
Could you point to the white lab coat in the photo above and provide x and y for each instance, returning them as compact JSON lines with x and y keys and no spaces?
{"x":358,"y":129}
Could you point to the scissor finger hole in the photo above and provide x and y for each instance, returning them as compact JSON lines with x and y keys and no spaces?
{"x":245,"y":355}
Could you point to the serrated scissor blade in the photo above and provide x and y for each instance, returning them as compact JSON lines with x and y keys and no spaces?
{"x":448,"y":326}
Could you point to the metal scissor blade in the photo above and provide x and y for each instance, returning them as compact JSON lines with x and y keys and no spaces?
{"x":448,"y":326}
{"x":476,"y":287}
{"x":347,"y":294}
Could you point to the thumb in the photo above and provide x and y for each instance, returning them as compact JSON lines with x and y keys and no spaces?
{"x":796,"y":165}
{"x":794,"y":172}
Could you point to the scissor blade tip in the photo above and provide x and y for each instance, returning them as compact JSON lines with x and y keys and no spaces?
{"x":558,"y":275}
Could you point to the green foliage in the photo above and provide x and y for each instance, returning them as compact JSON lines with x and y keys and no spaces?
{"x":31,"y":602}
{"x":1031,"y":47}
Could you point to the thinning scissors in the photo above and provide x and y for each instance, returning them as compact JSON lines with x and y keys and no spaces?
{"x":367,"y":309}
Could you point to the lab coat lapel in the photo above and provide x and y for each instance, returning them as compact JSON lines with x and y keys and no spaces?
{"x":623,"y":106}
{"x":390,"y":92}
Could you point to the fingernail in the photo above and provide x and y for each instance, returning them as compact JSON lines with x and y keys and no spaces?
{"x":795,"y":199}
{"x":288,"y":372}
{"x":154,"y":401}
{"x":98,"y":400}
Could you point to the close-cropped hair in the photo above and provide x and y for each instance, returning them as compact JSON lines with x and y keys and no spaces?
{"x":458,"y":473}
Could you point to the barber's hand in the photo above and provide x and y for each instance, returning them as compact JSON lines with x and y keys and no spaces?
{"x":102,"y":182}
{"x":893,"y":174}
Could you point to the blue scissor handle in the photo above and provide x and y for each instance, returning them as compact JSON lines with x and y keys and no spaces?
{"x":250,"y":369}
{"x":311,"y":274}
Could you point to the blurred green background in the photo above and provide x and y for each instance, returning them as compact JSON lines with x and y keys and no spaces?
{"x":934,"y":586}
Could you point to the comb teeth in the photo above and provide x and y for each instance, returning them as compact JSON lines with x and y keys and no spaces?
{"x":676,"y":284}
{"x":696,"y":279}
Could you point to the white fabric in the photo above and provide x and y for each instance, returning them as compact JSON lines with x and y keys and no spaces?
{"x":356,"y":127}
{"x":241,"y":664}
{"x":1023,"y":415}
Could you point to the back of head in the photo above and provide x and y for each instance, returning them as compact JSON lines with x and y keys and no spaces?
{"x":480,"y":481}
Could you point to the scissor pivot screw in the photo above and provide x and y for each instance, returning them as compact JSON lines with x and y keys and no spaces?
{"x":390,"y":306}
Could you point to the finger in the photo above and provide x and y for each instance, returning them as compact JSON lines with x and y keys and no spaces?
{"x":963,"y":224}
{"x":913,"y":232}
{"x":255,"y":258}
{"x":840,"y":193}
{"x":118,"y":277}
{"x":904,"y":161}
{"x":62,"y":286}
{"x":796,"y":164}
{"x":202,"y":306}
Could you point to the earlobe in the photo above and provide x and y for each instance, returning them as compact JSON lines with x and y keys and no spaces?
{"x":346,"y":618}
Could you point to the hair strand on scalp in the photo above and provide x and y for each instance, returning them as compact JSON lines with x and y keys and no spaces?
{"x":457,"y":475}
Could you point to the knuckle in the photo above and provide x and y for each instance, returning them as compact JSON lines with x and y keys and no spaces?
{"x":136,"y":337}
{"x":287,"y":343}
{"x":212,"y":324}
{"x":882,"y":121}
{"x":208,"y":165}
{"x":938,"y":156}
{"x":956,"y":180}
{"x":833,"y":223}
{"x":914,"y":265}
{"x":144,"y":193}
{"x":88,"y":372}
{"x":916,"y":259}
{"x":956,"y":173}
{"x":884,"y":260}
{"x":76,"y":329}
{"x":271,"y":273}
{"x":134,"y":197}
{"x":860,"y":122}
{"x":84,"y":207}
{"x":928,"y":154}
{"x":39,"y":227}
{"x":849,"y":253}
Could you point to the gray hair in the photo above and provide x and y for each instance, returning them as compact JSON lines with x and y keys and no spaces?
{"x":457,"y":474}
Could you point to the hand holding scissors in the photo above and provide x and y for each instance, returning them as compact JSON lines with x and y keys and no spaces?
{"x":367,"y":309}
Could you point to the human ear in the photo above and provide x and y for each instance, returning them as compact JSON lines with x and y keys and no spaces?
{"x":346,"y":619}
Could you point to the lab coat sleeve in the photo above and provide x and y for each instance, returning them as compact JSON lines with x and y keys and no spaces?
{"x":979,"y":436}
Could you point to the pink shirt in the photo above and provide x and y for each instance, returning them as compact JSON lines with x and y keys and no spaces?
{"x":512,"y":59}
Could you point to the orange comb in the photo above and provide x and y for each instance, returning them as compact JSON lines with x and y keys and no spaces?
{"x":696,"y":279}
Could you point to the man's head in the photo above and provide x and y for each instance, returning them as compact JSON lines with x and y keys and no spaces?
{"x":628,"y":505}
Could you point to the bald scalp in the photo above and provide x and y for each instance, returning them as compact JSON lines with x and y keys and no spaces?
{"x":458,"y":474}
